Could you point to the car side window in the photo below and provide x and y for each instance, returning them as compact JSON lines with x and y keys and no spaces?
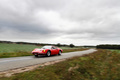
{"x":53,"y":48}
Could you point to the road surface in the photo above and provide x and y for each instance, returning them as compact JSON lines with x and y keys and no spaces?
{"x":18,"y":62}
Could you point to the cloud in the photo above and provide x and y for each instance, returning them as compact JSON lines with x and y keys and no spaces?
{"x":65,"y":21}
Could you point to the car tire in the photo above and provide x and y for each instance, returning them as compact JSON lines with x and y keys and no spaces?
{"x":36,"y":55}
{"x":48,"y":54}
{"x":59,"y":53}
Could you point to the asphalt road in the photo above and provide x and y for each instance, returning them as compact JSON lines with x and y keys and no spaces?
{"x":18,"y":62}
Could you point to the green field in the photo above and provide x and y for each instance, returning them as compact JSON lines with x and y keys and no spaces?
{"x":117,"y":51}
{"x":100,"y":65}
{"x":11,"y":48}
{"x":15,"y":50}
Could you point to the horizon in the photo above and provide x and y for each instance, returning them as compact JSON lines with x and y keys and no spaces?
{"x":57,"y":43}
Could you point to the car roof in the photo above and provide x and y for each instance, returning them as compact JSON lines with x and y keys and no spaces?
{"x":48,"y":45}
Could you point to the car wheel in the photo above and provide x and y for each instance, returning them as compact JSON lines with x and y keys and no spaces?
{"x":48,"y":53}
{"x":36,"y":55}
{"x":59,"y":53}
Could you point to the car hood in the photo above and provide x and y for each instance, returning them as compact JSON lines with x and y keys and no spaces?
{"x":38,"y":49}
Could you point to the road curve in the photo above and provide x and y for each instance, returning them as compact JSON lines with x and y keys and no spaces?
{"x":18,"y":62}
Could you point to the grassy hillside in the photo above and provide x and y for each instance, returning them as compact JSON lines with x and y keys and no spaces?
{"x":14,"y":50}
{"x":101,"y":65}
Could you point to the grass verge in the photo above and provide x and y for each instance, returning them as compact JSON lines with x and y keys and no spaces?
{"x":101,"y":65}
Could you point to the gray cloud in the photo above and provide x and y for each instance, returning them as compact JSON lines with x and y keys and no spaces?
{"x":64,"y":21}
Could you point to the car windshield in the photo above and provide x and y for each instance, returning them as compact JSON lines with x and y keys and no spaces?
{"x":46,"y":47}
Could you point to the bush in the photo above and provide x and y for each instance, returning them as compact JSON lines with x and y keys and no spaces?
{"x":71,"y":45}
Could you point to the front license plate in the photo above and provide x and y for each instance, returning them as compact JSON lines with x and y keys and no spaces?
{"x":35,"y":54}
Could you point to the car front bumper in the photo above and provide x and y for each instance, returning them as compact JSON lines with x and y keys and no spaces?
{"x":38,"y":53}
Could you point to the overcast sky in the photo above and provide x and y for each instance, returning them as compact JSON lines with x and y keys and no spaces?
{"x":81,"y":22}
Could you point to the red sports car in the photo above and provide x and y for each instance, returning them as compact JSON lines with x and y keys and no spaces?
{"x":47,"y":50}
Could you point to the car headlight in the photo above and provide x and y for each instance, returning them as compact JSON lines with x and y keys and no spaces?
{"x":34,"y":50}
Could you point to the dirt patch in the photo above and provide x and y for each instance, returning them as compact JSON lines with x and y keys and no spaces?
{"x":28,"y":68}
{"x":72,"y":68}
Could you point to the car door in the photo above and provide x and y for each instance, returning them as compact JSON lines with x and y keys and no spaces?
{"x":54,"y":51}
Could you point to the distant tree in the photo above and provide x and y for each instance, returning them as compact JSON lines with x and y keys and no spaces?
{"x":58,"y":44}
{"x":64,"y":45}
{"x":71,"y":45}
{"x":108,"y":46}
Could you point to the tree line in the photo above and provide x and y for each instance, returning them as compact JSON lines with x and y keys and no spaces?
{"x":39,"y":44}
{"x":108,"y":46}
